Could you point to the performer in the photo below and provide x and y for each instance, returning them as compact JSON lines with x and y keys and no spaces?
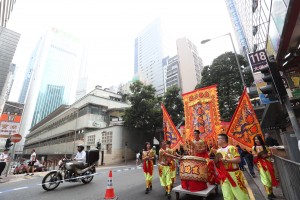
{"x":164,"y":168}
{"x":199,"y":149}
{"x":232,"y":179}
{"x":172,"y":162}
{"x":261,"y":154}
{"x":148,"y":157}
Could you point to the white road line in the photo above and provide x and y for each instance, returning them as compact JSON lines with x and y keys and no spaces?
{"x":21,"y":188}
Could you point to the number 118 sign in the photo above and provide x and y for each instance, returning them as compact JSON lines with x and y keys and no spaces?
{"x":258,"y":60}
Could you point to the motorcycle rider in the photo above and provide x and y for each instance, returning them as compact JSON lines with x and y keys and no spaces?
{"x":79,"y":159}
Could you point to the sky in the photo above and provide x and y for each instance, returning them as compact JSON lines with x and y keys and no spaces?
{"x":109,"y":27}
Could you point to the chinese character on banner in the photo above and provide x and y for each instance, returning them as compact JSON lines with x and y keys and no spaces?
{"x":170,"y":131}
{"x":244,"y":124}
{"x":201,"y":111}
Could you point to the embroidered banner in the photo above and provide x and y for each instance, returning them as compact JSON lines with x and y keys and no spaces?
{"x":170,"y":131}
{"x":201,"y":110}
{"x":244,"y":124}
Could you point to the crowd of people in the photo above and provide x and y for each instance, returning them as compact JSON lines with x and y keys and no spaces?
{"x":224,"y":165}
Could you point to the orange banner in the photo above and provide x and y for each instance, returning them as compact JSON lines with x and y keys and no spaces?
{"x":201,"y":111}
{"x":244,"y":124}
{"x":170,"y":131}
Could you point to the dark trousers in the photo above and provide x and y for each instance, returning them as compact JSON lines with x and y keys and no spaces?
{"x":249,"y":160}
{"x":2,"y":166}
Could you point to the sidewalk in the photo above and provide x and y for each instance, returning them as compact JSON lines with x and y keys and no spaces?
{"x":276,"y":190}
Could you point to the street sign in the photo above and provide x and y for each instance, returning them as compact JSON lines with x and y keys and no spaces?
{"x":258,"y":60}
{"x":16,"y":138}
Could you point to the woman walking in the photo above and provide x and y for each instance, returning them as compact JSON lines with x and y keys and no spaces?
{"x":261,"y":154}
{"x":148,"y":157}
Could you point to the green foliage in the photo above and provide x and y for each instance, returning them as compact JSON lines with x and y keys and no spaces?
{"x":174,"y":105}
{"x":145,"y":112}
{"x":224,"y":72}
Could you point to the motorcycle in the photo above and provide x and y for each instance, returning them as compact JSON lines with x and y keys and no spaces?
{"x":65,"y":173}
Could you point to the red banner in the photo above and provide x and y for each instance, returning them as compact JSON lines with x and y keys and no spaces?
{"x":201,"y":111}
{"x":244,"y":124}
{"x":170,"y":131}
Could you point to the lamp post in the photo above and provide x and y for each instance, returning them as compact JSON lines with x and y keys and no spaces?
{"x":237,"y":60}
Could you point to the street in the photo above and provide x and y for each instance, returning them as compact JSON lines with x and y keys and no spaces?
{"x":128,"y":182}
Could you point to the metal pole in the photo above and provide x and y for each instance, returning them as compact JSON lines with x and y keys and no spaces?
{"x":12,"y":157}
{"x":75,"y":133}
{"x":292,"y":117}
{"x":237,"y":60}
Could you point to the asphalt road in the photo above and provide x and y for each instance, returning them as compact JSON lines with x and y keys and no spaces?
{"x":128,"y":182}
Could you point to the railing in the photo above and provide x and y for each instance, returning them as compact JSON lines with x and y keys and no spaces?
{"x":289,"y":176}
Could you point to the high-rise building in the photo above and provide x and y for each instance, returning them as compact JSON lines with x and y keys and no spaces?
{"x":54,"y":71}
{"x":190,"y":65}
{"x":236,"y":20}
{"x":8,"y":44}
{"x":151,"y":47}
{"x":172,"y":73}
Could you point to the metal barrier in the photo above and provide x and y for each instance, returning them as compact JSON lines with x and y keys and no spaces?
{"x":289,"y":176}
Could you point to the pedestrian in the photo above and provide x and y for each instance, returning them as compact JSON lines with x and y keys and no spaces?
{"x":249,"y":160}
{"x":137,"y":158}
{"x":265,"y":167}
{"x":148,"y":157}
{"x":172,"y":162}
{"x":270,"y":142}
{"x":233,"y":182}
{"x":31,"y":163}
{"x":154,"y":150}
{"x":3,"y":160}
{"x":164,"y":169}
{"x":242,"y":163}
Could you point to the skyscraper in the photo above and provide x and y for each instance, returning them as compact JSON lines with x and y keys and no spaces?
{"x":190,"y":65}
{"x":236,"y":21}
{"x":53,"y":76}
{"x":151,"y":47}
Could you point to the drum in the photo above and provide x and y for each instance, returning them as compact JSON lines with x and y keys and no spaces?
{"x":193,"y":168}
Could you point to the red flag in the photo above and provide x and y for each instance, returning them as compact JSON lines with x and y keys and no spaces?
{"x":244,"y":124}
{"x":170,"y":131}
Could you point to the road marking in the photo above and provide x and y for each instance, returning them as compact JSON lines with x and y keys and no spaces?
{"x":21,"y":188}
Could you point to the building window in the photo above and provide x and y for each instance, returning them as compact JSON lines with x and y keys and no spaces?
{"x":107,"y":137}
{"x":91,"y":140}
{"x":109,"y":148}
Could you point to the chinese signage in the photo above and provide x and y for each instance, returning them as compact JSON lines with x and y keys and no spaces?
{"x":258,"y":60}
{"x":292,"y":77}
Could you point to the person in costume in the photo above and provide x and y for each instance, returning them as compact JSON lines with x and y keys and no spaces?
{"x":164,"y":168}
{"x":148,"y":157}
{"x":199,"y":149}
{"x":233,"y":182}
{"x":261,"y":154}
{"x":172,"y":162}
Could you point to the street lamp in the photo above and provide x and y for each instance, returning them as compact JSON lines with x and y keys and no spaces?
{"x":237,"y":60}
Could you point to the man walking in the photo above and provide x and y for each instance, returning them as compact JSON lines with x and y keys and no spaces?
{"x":31,"y":163}
{"x":232,"y":180}
{"x":3,"y":161}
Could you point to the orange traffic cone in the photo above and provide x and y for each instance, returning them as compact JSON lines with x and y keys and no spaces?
{"x":110,"y":194}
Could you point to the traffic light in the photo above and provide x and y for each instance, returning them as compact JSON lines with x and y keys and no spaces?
{"x":8,"y":143}
{"x":98,"y":145}
{"x":274,"y":90}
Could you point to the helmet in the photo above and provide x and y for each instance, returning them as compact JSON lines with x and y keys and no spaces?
{"x":81,"y":145}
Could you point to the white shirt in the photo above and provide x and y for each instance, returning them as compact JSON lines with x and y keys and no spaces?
{"x":81,"y":156}
{"x":138,"y":156}
{"x":33,"y":157}
{"x":3,"y":157}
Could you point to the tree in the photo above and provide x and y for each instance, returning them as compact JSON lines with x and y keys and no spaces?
{"x":224,"y":72}
{"x":174,"y":105}
{"x":145,"y":112}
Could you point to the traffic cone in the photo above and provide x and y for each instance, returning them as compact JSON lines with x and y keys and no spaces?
{"x":110,"y":194}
